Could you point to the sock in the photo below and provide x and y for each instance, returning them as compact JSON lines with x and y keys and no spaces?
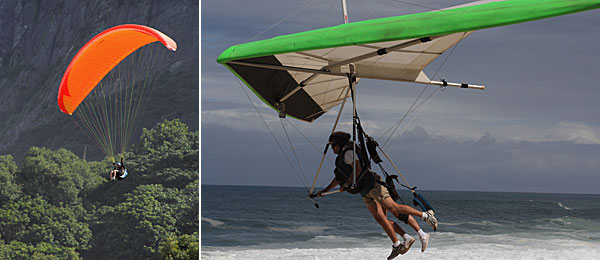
{"x":424,"y":216}
{"x":397,"y":243}
{"x":421,"y":233}
{"x":406,"y":237}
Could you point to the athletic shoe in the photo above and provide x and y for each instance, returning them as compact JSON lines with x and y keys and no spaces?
{"x":424,"y":242}
{"x":407,"y":245}
{"x":431,"y":220}
{"x":396,"y":251}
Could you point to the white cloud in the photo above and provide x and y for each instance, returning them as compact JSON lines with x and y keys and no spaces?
{"x":575,"y":132}
{"x":237,"y":118}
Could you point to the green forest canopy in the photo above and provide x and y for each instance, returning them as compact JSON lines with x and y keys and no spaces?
{"x":58,"y":206}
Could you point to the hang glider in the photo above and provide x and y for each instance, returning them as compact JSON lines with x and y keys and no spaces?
{"x":305,"y":74}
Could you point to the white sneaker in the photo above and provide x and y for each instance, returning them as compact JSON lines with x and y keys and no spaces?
{"x":431,"y":220}
{"x":407,"y":245}
{"x":431,"y":212}
{"x":424,"y":242}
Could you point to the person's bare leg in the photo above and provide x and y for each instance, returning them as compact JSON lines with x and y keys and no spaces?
{"x":389,"y":204}
{"x":397,"y":227}
{"x":413,"y":223}
{"x":377,"y":212}
{"x":408,"y":240}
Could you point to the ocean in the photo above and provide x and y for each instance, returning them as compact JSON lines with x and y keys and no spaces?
{"x":248,"y":222}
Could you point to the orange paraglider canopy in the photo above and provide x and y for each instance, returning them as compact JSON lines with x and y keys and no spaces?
{"x":99,"y":56}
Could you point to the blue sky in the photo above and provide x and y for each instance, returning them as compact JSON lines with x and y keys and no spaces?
{"x":535,"y":128}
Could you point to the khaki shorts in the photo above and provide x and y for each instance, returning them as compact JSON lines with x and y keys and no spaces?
{"x":377,"y":193}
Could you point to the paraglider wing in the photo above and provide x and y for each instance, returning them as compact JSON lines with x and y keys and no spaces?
{"x":99,"y":56}
{"x":306,"y":73}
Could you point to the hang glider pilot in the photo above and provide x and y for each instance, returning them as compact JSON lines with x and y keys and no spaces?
{"x":119,"y":172}
{"x":376,"y":196}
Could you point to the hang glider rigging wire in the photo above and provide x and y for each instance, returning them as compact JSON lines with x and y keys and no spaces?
{"x":305,"y":137}
{"x":273,"y":135}
{"x":293,"y":151}
{"x":418,"y":108}
{"x":314,"y":146}
{"x":412,"y":106}
{"x":426,"y":7}
{"x":417,"y":111}
{"x":368,"y":8}
{"x":280,"y":21}
{"x":328,"y":12}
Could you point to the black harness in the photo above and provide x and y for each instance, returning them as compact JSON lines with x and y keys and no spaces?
{"x":120,"y":174}
{"x":344,"y":172}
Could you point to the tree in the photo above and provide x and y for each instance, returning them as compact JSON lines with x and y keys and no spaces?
{"x":188,"y":208}
{"x":16,"y":250}
{"x":137,"y":225}
{"x":58,"y":176}
{"x":9,"y":190}
{"x":34,"y":221}
{"x":170,"y":145}
{"x":181,"y":247}
{"x":176,"y":178}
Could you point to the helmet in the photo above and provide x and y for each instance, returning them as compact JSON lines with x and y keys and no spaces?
{"x":339,"y":137}
{"x":119,"y":164}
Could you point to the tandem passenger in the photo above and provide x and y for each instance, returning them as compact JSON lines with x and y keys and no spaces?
{"x":375,"y":196}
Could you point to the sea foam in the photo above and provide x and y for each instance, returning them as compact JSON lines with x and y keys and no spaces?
{"x":466,"y":251}
{"x":214,"y":223}
{"x":442,"y":246}
{"x":563,"y":206}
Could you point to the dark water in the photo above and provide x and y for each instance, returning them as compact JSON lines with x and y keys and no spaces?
{"x":280,"y":222}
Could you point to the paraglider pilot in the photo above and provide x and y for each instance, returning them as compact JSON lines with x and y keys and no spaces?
{"x":119,"y":172}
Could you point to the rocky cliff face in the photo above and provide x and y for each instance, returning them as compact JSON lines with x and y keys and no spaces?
{"x":38,"y":40}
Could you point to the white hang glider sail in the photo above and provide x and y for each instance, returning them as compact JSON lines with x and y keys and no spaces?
{"x":306,"y":74}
